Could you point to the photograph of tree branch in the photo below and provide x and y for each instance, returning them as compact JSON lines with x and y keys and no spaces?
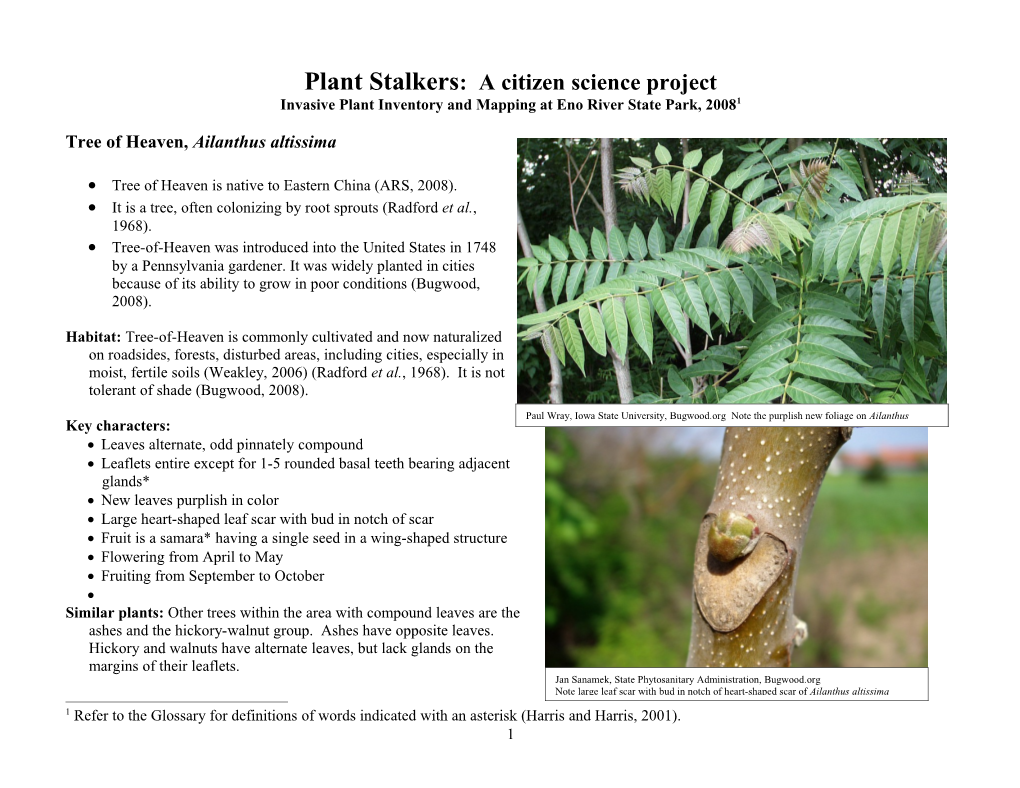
{"x":749,"y":547}
{"x":808,"y":271}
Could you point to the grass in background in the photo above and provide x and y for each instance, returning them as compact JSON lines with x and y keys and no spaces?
{"x":852,"y":514}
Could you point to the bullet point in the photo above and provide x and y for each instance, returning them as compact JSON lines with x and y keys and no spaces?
{"x":92,"y":184}
{"x":91,"y":538}
{"x":91,"y":519}
{"x":91,"y":575}
{"x":92,"y":500}
{"x":91,"y":445}
{"x":92,"y":207}
{"x":91,"y":463}
{"x":90,"y":595}
{"x":91,"y":557}
{"x":92,"y":247}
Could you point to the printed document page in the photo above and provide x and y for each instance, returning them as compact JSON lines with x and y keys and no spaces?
{"x":316,"y":470}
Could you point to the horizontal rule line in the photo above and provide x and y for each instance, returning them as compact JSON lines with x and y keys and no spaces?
{"x":177,"y":701}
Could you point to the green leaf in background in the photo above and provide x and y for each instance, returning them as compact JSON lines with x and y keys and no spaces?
{"x":763,"y":280}
{"x":869,"y":245}
{"x":849,"y":164}
{"x":708,"y":367}
{"x":670,"y":312}
{"x":544,"y":272}
{"x":907,"y":305}
{"x":599,"y":247}
{"x":870,"y":142}
{"x":542,"y":254}
{"x":594,"y":276}
{"x":741,"y":289}
{"x":577,"y":245}
{"x":594,"y":330}
{"x":574,"y":279}
{"x":909,"y":228}
{"x":662,"y":155}
{"x":636,"y":244}
{"x":676,"y":194}
{"x":826,"y":324}
{"x":639,"y":315}
{"x":829,"y":345}
{"x":847,"y":250}
{"x":779,"y":350}
{"x":557,"y":344}
{"x":693,"y":302}
{"x":663,"y":186}
{"x":697,"y":198}
{"x":559,"y":277}
{"x":845,"y":183}
{"x":692,"y":159}
{"x":720,"y":205}
{"x":890,"y":242}
{"x":878,"y":298}
{"x":816,"y":365}
{"x":713,"y":165}
{"x":615,"y":320}
{"x":559,"y":251}
{"x":572,"y":341}
{"x":656,"y":241}
{"x":822,"y":303}
{"x":677,"y":383}
{"x":805,"y":391}
{"x":937,"y":296}
{"x":755,"y":391}
{"x":714,"y":289}
{"x":617,"y":244}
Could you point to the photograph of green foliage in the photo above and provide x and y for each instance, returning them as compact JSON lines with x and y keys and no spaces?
{"x":749,"y":547}
{"x":808,"y":271}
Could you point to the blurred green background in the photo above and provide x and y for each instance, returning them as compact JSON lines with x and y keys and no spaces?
{"x":623,"y":506}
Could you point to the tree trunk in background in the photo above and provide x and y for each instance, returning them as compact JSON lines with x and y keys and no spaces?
{"x":751,"y":540}
{"x":621,"y":366}
{"x":556,"y":374}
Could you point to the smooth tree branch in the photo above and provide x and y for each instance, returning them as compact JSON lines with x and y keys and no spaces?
{"x":750,"y":543}
{"x":556,"y":373}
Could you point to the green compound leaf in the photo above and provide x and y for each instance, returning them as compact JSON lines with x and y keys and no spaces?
{"x":639,"y":315}
{"x":559,"y":277}
{"x":805,"y":391}
{"x":697,"y":198}
{"x":937,"y":297}
{"x":670,"y":312}
{"x":559,"y":251}
{"x":572,"y":341}
{"x":713,"y":165}
{"x":754,"y":392}
{"x":599,"y":247}
{"x":615,"y":319}
{"x":594,"y":330}
{"x":574,"y":279}
{"x":714,"y":289}
{"x":816,"y":365}
{"x":617,"y":244}
{"x":577,"y":245}
{"x":636,"y":244}
{"x":693,"y":303}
